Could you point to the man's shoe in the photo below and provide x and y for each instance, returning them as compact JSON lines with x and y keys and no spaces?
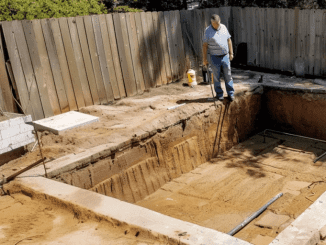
{"x":231,"y":98}
{"x":220,"y":98}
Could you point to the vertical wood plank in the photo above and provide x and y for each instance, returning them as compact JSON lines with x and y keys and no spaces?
{"x":261,"y":38}
{"x":8,"y":101}
{"x":134,"y":48}
{"x":17,"y":69}
{"x":165,"y":48}
{"x":95,"y":59}
{"x":180,"y":44}
{"x":143,"y":51}
{"x":115,"y":54}
{"x":109,"y":57}
{"x":124,"y":53}
{"x":102,"y":58}
{"x":323,"y":45}
{"x":37,"y":67}
{"x":87,"y":60}
{"x":311,"y":14}
{"x":159,"y":47}
{"x":268,"y":26}
{"x":54,"y":23}
{"x":31,"y":84}
{"x":46,"y":68}
{"x":188,"y":48}
{"x":318,"y":49}
{"x":292,"y":38}
{"x":277,"y":37}
{"x":256,"y":42}
{"x":79,"y":61}
{"x":282,"y":37}
{"x":55,"y":66}
{"x":249,"y":35}
{"x":77,"y":87}
{"x":152,"y":42}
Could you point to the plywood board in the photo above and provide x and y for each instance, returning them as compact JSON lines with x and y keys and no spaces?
{"x":79,"y":61}
{"x":54,"y":24}
{"x":8,"y":101}
{"x":55,"y":66}
{"x":17,"y":69}
{"x":318,"y":40}
{"x":115,"y":54}
{"x":134,"y":48}
{"x":180,"y":44}
{"x":102,"y":58}
{"x":95,"y":59}
{"x":74,"y":74}
{"x":109,"y":57}
{"x":142,"y":50}
{"x":146,"y":41}
{"x":87,"y":60}
{"x":124,"y":54}
{"x":165,"y":49}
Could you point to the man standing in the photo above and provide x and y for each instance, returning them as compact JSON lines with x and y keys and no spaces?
{"x":217,"y":40}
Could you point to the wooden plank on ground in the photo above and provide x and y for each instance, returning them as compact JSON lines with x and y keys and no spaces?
{"x":159,"y":47}
{"x":87,"y":60}
{"x":18,"y":69}
{"x":8,"y":101}
{"x":318,"y":39}
{"x":74,"y":74}
{"x":150,"y":65}
{"x":152,"y":42}
{"x":61,"y":54}
{"x":134,"y":48}
{"x":32,"y":88}
{"x":79,"y":61}
{"x":46,"y":67}
{"x":311,"y":14}
{"x":165,"y":49}
{"x":124,"y":54}
{"x":55,"y":66}
{"x":115,"y":54}
{"x":181,"y":47}
{"x":102,"y":58}
{"x":95,"y":59}
{"x":142,"y":51}
{"x":109,"y":57}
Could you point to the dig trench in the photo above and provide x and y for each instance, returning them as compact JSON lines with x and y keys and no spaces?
{"x":214,"y":168}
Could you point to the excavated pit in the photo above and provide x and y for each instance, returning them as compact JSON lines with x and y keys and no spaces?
{"x":214,"y":169}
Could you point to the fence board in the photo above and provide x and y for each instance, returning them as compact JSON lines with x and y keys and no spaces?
{"x":45,"y":67}
{"x":18,"y":70}
{"x":173,"y":21}
{"x":115,"y":54}
{"x":292,"y":38}
{"x":54,"y":66}
{"x":109,"y":58}
{"x":54,"y":23}
{"x":256,"y":35}
{"x":102,"y":58}
{"x":282,"y":40}
{"x":8,"y":101}
{"x":311,"y":38}
{"x":79,"y":61}
{"x":323,"y":45}
{"x":142,"y":51}
{"x":249,"y":34}
{"x":154,"y":51}
{"x":134,"y":48}
{"x":95,"y":60}
{"x":31,"y":84}
{"x":268,"y":39}
{"x":77,"y":87}
{"x":165,"y":48}
{"x":124,"y":53}
{"x":159,"y":47}
{"x":188,"y":48}
{"x":87,"y":60}
{"x":317,"y":51}
{"x":181,"y":44}
{"x":277,"y":36}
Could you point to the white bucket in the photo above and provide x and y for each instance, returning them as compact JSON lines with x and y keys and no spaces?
{"x":191,"y":78}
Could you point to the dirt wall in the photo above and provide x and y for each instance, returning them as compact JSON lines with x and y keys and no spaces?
{"x":295,"y":112}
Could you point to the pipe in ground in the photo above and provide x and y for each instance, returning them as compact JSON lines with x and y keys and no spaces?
{"x":255,"y":215}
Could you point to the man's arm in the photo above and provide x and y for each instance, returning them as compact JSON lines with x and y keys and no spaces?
{"x":230,"y":49}
{"x":205,"y":45}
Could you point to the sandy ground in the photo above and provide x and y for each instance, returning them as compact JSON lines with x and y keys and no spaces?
{"x":27,"y":221}
{"x":224,"y":192}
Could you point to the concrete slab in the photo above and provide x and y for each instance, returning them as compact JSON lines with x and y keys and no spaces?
{"x":271,"y":220}
{"x":262,"y":240}
{"x":63,"y":122}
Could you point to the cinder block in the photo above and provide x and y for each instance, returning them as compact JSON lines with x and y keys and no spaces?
{"x":5,"y":143}
{"x":21,"y":138}
{"x":4,"y":150}
{"x":10,"y":132}
{"x":4,"y":124}
{"x":27,"y":118}
{"x":23,"y":143}
{"x":25,"y":128}
{"x":16,"y":121}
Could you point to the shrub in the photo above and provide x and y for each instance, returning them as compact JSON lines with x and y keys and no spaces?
{"x":41,"y":9}
{"x":125,"y":9}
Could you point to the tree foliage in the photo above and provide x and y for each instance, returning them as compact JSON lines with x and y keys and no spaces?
{"x":41,"y":9}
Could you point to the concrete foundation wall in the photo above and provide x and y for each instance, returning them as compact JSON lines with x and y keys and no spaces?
{"x":139,"y":169}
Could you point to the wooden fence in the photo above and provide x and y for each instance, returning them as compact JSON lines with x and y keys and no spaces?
{"x":57,"y":65}
{"x":68,"y":63}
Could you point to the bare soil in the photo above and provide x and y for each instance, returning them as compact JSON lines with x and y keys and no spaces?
{"x":224,"y":192}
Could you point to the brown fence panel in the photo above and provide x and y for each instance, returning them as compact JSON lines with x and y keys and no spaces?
{"x":134,"y":48}
{"x":87,"y":60}
{"x":24,"y":93}
{"x":180,"y":45}
{"x":55,"y":66}
{"x":59,"y":47}
{"x":83,"y":82}
{"x":189,"y":53}
{"x":124,"y":53}
{"x":317,"y":51}
{"x":323,"y":44}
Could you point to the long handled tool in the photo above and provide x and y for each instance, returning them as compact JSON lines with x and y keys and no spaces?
{"x":210,"y":82}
